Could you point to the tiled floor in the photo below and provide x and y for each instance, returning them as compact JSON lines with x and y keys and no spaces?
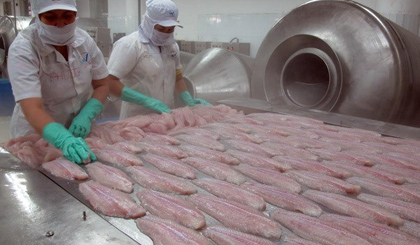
{"x":4,"y":128}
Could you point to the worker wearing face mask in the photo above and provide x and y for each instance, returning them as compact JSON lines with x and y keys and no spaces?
{"x":58,"y":76}
{"x":147,"y":62}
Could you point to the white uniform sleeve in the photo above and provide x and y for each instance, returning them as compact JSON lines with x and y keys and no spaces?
{"x":99,"y":69}
{"x":123,"y":57}
{"x":23,"y":67}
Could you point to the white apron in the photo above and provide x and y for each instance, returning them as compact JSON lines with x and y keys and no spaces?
{"x":65,"y":88}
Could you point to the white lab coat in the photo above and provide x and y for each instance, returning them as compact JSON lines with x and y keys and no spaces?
{"x":141,"y":66}
{"x":38,"y":70}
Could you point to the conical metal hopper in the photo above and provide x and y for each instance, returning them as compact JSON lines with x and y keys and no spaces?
{"x":216,"y":74}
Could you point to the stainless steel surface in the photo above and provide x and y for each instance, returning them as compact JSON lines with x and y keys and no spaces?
{"x":9,"y":27}
{"x":216,"y":74}
{"x":35,"y":210}
{"x":343,"y":57}
{"x":185,"y":58}
{"x":251,"y":105}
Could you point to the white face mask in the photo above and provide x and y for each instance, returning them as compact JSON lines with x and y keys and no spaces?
{"x":58,"y":36}
{"x":161,"y":38}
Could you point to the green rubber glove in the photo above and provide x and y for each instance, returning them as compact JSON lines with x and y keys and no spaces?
{"x":81,"y":124}
{"x":74,"y":149}
{"x":186,"y":98}
{"x":132,"y":96}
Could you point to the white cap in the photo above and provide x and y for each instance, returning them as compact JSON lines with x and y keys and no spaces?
{"x":42,"y":6}
{"x":162,"y":12}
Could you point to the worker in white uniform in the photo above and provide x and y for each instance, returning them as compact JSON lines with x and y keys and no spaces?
{"x":145,"y":66}
{"x":59,"y":79}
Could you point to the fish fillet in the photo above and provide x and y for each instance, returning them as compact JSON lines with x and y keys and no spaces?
{"x":197,"y":151}
{"x":353,"y":207}
{"x":237,"y":216}
{"x":315,"y":229}
{"x":216,"y":169}
{"x":387,"y":189}
{"x":405,"y":210}
{"x":323,"y":182}
{"x":259,"y":160}
{"x":172,"y":207}
{"x":371,"y":231}
{"x":110,"y":202}
{"x":284,"y":199}
{"x":160,"y":181}
{"x":163,"y":231}
{"x":270,"y":177}
{"x":170,"y":165}
{"x":231,"y":192}
{"x":110,"y":177}
{"x":65,"y":169}
{"x":226,"y":236}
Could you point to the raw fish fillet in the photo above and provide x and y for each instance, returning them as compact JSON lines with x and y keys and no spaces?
{"x":201,"y":141}
{"x":231,"y":192}
{"x":387,"y":189}
{"x":110,"y":202}
{"x":368,"y":172}
{"x":411,"y":175}
{"x":323,"y":182}
{"x":353,"y":207}
{"x":170,"y":166}
{"x":270,"y":177}
{"x":231,"y":133}
{"x":412,"y":228}
{"x":237,"y":216}
{"x":65,"y":169}
{"x":259,"y":161}
{"x":198,"y":131}
{"x":388,"y":160}
{"x":163,"y":232}
{"x":405,"y":210}
{"x":252,"y":148}
{"x":343,"y":157}
{"x":284,"y":199}
{"x":295,"y":240}
{"x":160,"y":181}
{"x":315,"y":229}
{"x":197,"y":151}
{"x":314,"y":166}
{"x":118,"y":158}
{"x":173,"y":208}
{"x":162,"y":149}
{"x":223,"y":235}
{"x":371,"y":231}
{"x":216,"y":169}
{"x":292,"y":152}
{"x":110,"y":177}
{"x":304,"y":143}
{"x":160,"y":138}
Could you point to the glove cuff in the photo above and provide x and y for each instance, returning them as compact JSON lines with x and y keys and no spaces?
{"x":92,"y":108}
{"x":132,"y":96}
{"x":51,"y":131}
{"x":185,"y":97}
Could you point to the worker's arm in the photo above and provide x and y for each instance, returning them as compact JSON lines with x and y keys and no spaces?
{"x":74,"y":149}
{"x":183,"y":94}
{"x":82,"y":123}
{"x":127,"y":94}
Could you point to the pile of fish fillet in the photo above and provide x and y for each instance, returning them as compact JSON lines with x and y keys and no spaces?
{"x":212,"y":175}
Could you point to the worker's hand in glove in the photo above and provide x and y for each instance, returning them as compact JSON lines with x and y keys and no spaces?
{"x":188,"y":100}
{"x":132,"y":96}
{"x":74,"y":149}
{"x":80,"y":127}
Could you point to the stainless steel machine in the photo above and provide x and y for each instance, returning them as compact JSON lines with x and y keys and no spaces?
{"x":335,"y":61}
